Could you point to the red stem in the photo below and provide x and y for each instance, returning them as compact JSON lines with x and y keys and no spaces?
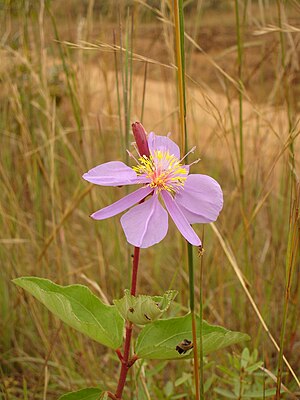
{"x":135,"y":266}
{"x":119,"y":354}
{"x":126,"y":364}
{"x":132,"y":361}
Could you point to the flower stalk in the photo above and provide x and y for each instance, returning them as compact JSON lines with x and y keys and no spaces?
{"x":127,"y":363}
{"x":124,"y":367}
{"x":143,"y":149}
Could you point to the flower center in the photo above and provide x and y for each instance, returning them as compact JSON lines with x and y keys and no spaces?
{"x":164,"y":171}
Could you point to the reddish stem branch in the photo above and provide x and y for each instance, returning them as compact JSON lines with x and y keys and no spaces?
{"x":126,"y":363}
{"x":132,"y":361}
{"x":135,"y":265}
{"x":119,"y":354}
{"x":124,"y":367}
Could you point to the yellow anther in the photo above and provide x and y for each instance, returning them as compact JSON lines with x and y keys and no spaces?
{"x":163,"y":170}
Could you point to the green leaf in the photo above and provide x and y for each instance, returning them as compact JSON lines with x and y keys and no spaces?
{"x":226,"y":393}
{"x":208,"y":382}
{"x":83,"y":394}
{"x":158,"y":340}
{"x":261,"y":393}
{"x":184,"y":378}
{"x":78,"y":307}
{"x":142,"y":309}
{"x":245,"y":357}
{"x":254,"y":367}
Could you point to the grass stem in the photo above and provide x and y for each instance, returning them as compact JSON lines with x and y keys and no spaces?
{"x":240,"y":51}
{"x":179,"y":45}
{"x":291,"y":260}
{"x":144,"y":91}
{"x":240,"y":64}
{"x":118,"y":94}
{"x":201,"y":319}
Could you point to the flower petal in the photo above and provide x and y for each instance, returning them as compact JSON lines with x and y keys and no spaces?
{"x":162,"y":143}
{"x":123,"y":204}
{"x":146,"y":224}
{"x":201,"y":199}
{"x":113,"y":173}
{"x":179,"y":219}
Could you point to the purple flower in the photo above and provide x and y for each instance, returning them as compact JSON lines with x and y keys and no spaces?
{"x":188,"y":198}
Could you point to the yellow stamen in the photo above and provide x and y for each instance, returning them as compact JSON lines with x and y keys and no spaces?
{"x":163,"y":170}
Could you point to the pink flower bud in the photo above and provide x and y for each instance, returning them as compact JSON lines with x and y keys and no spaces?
{"x":140,"y":139}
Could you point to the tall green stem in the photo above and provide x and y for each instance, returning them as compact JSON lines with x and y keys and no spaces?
{"x":201,"y":319}
{"x":286,"y":85}
{"x":126,"y":66}
{"x":118,"y":94}
{"x":180,"y":60}
{"x":194,"y":325}
{"x":239,"y":38}
{"x":240,"y":63}
{"x":291,"y":260}
{"x":179,"y":44}
{"x":293,"y":238}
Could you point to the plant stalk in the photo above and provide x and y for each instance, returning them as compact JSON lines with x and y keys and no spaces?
{"x":293,"y":238}
{"x":240,"y":64}
{"x":287,"y":90}
{"x":118,"y":92}
{"x":291,"y":260}
{"x":179,"y":45}
{"x":240,"y":53}
{"x":135,"y":266}
{"x":201,"y":319}
{"x":194,"y":325}
{"x":126,"y":363}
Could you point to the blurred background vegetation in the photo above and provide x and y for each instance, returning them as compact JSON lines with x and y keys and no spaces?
{"x":73,"y":76}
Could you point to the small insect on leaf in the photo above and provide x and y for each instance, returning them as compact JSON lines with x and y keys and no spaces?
{"x":184,"y":346}
{"x":131,"y":309}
